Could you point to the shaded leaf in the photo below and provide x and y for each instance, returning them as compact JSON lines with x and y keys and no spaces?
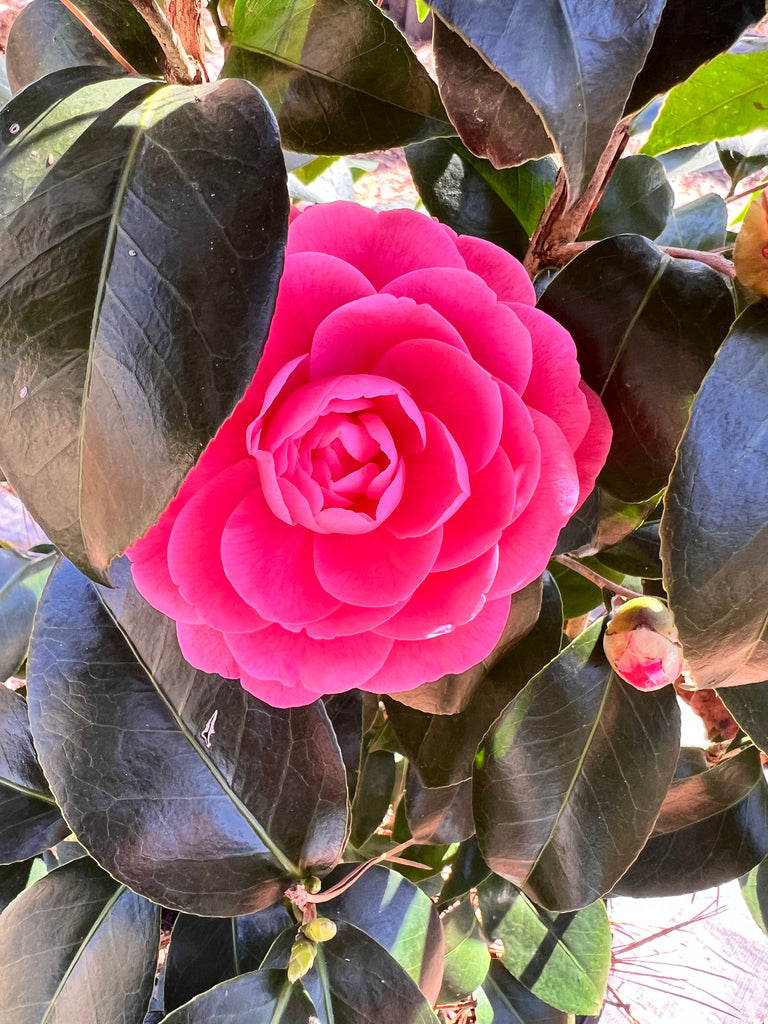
{"x":89,"y":950}
{"x":107,"y":399}
{"x":492,"y":116}
{"x":562,"y":959}
{"x":570,"y":778}
{"x":13,"y":880}
{"x":638,"y":554}
{"x":466,"y":953}
{"x":623,"y":301}
{"x":714,"y":545}
{"x":440,"y":816}
{"x":468,"y":869}
{"x":22,"y":578}
{"x":345,"y":711}
{"x":638,"y":199}
{"x":713,"y":827}
{"x":30,"y":821}
{"x":582,"y":93}
{"x":338,"y":74}
{"x":685,"y":38}
{"x":749,"y":706}
{"x":373,"y":794}
{"x":441,"y":748}
{"x":118,"y":715}
{"x":46,"y":37}
{"x":700,"y":224}
{"x":743,"y":156}
{"x":725,"y":97}
{"x":356,"y":981}
{"x":512,"y":1003}
{"x":603,"y":520}
{"x":261,"y":995}
{"x":754,"y":889}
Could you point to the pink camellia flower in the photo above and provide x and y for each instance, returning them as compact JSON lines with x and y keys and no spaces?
{"x":414,"y":438}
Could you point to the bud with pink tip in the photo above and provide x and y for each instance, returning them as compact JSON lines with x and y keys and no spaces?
{"x":642,"y":645}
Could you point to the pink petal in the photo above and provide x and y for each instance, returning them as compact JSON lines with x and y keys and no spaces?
{"x":498,"y":268}
{"x":205,"y":648}
{"x":444,"y":601}
{"x":353,"y":338}
{"x":413,"y":662}
{"x":149,"y":556}
{"x":194,"y":558}
{"x":592,"y":452}
{"x":493,"y":333}
{"x":527,"y":544}
{"x":374,"y":569}
{"x":436,"y":484}
{"x":350,"y":619}
{"x":478,"y":524}
{"x":276,"y":694}
{"x":518,"y":439}
{"x":270,"y":565}
{"x":461,"y":394}
{"x":380,"y":245}
{"x":555,"y":378}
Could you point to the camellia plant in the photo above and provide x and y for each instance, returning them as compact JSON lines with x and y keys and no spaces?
{"x":384,"y":545}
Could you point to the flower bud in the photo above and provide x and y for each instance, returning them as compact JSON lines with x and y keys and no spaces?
{"x":321,"y":929}
{"x":302,"y":957}
{"x":642,"y":645}
{"x":312,"y":884}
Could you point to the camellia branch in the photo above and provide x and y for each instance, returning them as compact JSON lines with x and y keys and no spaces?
{"x":595,"y":577}
{"x":558,"y":256}
{"x":180,"y":67}
{"x":98,"y":35}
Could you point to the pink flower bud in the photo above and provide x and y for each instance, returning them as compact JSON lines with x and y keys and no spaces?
{"x":642,"y":645}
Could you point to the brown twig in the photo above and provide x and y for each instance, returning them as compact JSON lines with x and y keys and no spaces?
{"x":560,"y":255}
{"x":180,"y":67}
{"x":595,"y":577}
{"x":99,"y":35}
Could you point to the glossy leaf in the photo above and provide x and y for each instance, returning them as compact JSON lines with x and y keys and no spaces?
{"x":638,"y":199}
{"x":581,"y":90}
{"x":468,"y":869}
{"x":512,"y":1003}
{"x":700,"y":224}
{"x":466,"y":953}
{"x":754,"y":889}
{"x":208,"y":822}
{"x":441,"y":748}
{"x":205,"y":951}
{"x":484,"y":106}
{"x":13,"y":880}
{"x":603,"y":520}
{"x":356,"y":981}
{"x":77,"y":946}
{"x":373,"y":794}
{"x":562,"y":959}
{"x":177,"y":192}
{"x":637,"y":554}
{"x":338,"y":74}
{"x":749,"y":706}
{"x":713,"y":540}
{"x":30,"y":821}
{"x":713,"y":827}
{"x":743,"y":156}
{"x":570,"y":778}
{"x":396,"y":913}
{"x":440,"y":816}
{"x":725,"y":97}
{"x":46,"y":37}
{"x":22,"y":578}
{"x":345,"y":711}
{"x":622,"y":300}
{"x":259,"y":996}
{"x":686,"y":37}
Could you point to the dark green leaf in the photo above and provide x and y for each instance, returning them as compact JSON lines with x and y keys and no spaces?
{"x":646,"y":328}
{"x":714,"y":543}
{"x":338,"y":74}
{"x":373,"y":794}
{"x":345,"y":711}
{"x":205,"y":951}
{"x":77,"y":946}
{"x":581,"y":90}
{"x":174,"y":192}
{"x":22,"y":578}
{"x":580,"y":596}
{"x":397,"y":914}
{"x":492,"y":116}
{"x":749,"y":706}
{"x":30,"y":821}
{"x":212,"y":822}
{"x":686,"y":37}
{"x":700,"y":224}
{"x":743,"y":156}
{"x":602,"y":521}
{"x":570,"y":778}
{"x":468,"y":869}
{"x":466,"y":953}
{"x":46,"y":37}
{"x":440,"y":816}
{"x":13,"y":880}
{"x":638,"y":198}
{"x":713,"y":827}
{"x":356,"y":981}
{"x":561,"y":958}
{"x":637,"y":554}
{"x":265,"y":996}
{"x":512,"y":1003}
{"x":442,"y":748}
{"x":754,"y":889}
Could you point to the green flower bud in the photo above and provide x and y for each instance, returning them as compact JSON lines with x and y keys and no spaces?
{"x":321,"y":929}
{"x":303,"y":954}
{"x":313,"y":884}
{"x":642,"y":645}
